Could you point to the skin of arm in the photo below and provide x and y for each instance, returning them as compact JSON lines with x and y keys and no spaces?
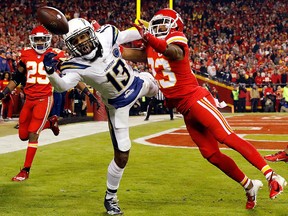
{"x":173,"y":52}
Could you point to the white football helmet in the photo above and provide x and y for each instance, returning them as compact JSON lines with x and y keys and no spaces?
{"x":81,"y":39}
{"x":40,"y":39}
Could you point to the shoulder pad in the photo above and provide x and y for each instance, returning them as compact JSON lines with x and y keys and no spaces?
{"x":177,"y":38}
{"x":111,"y":30}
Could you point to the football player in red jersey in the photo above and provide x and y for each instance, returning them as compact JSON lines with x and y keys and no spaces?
{"x":38,"y":90}
{"x":167,"y":54}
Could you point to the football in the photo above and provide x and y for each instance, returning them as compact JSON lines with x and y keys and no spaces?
{"x":53,"y":20}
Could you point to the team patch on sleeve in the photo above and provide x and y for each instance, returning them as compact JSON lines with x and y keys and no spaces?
{"x":72,"y":65}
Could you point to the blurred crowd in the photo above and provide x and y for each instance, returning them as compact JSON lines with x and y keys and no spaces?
{"x":231,"y":41}
{"x":235,"y":42}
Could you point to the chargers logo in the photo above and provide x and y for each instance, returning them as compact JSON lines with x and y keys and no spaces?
{"x":116,"y":52}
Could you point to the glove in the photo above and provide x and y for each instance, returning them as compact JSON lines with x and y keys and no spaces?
{"x":143,"y":31}
{"x":93,"y":99}
{"x":50,"y":64}
{"x":159,"y":45}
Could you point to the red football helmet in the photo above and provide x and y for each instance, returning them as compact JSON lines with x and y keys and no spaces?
{"x":165,"y":21}
{"x":40,"y":39}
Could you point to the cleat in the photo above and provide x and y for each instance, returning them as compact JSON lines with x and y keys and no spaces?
{"x":279,"y":156}
{"x":54,"y":125}
{"x":276,"y":185}
{"x":112,"y":206}
{"x":21,"y":176}
{"x":252,"y":194}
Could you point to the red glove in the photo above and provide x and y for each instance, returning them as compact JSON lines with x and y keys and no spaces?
{"x":159,"y":45}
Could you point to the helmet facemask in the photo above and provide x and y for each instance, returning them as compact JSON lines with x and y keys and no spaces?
{"x":160,"y":26}
{"x":165,"y":21}
{"x":40,"y":42}
{"x":83,"y":43}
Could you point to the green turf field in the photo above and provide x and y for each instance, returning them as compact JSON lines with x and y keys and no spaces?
{"x":69,"y":179}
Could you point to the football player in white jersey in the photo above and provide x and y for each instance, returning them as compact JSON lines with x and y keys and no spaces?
{"x":97,"y":61}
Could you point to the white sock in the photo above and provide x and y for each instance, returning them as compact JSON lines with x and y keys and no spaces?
{"x":114,"y":176}
{"x":247,"y":184}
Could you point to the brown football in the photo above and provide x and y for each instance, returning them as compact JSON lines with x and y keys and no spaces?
{"x":53,"y":20}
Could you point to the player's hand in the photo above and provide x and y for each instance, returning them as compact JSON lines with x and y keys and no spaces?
{"x":50,"y":63}
{"x":143,"y":31}
{"x":93,"y":99}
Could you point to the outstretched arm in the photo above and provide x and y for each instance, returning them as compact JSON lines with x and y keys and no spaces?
{"x":135,"y":55}
{"x":171,"y":51}
{"x":60,"y":84}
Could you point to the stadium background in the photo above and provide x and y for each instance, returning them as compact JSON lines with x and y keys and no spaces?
{"x":240,"y":38}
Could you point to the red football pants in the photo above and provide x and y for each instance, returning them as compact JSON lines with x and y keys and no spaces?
{"x":33,"y":116}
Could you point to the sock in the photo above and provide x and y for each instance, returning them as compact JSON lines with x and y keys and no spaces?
{"x":246,"y":183}
{"x":30,"y":153}
{"x":267,"y":171}
{"x":114,"y":176}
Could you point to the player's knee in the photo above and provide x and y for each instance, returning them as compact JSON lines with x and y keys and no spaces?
{"x":23,"y":138}
{"x":121,"y":158}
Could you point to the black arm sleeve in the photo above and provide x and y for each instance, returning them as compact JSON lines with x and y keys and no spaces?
{"x":18,"y":77}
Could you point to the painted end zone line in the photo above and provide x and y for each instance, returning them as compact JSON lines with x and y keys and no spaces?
{"x":142,"y":140}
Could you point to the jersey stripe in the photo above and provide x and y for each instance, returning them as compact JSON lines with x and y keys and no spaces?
{"x":177,"y":39}
{"x":72,"y":65}
{"x":48,"y":109}
{"x":218,"y":113}
{"x":210,"y":109}
{"x":115,"y":33}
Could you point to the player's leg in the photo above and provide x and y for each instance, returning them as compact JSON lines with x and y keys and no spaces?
{"x":149,"y":108}
{"x":119,"y":133}
{"x":209,"y":149}
{"x":38,"y":112}
{"x":219,"y":127}
{"x":52,"y":121}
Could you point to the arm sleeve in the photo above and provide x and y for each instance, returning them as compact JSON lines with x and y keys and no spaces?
{"x":128,"y":35}
{"x":61,"y":84}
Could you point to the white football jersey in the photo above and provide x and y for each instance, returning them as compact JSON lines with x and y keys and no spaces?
{"x":110,"y":74}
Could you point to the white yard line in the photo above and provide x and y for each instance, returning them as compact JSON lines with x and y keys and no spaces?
{"x":70,"y":131}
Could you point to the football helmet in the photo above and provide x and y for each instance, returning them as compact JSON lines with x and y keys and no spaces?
{"x":40,"y":39}
{"x":164,"y":21}
{"x":81,"y":39}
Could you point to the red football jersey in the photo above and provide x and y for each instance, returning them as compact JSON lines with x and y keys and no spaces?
{"x":37,"y":84}
{"x":176,"y":79}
